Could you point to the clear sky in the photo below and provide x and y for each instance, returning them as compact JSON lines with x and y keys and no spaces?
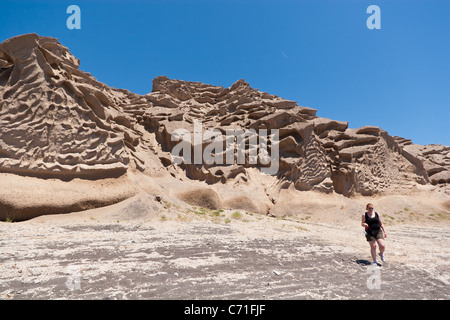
{"x":319,"y":53}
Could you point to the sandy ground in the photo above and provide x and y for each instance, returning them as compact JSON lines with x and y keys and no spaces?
{"x":194,"y":253}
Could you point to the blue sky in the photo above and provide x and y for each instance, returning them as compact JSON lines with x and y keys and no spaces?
{"x":318,"y":52}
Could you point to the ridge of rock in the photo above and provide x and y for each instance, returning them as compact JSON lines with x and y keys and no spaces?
{"x":59,"y":122}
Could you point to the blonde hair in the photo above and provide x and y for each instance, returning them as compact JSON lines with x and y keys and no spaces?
{"x":367,"y":206}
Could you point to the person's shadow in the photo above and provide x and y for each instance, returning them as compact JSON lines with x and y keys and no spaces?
{"x":365,"y":262}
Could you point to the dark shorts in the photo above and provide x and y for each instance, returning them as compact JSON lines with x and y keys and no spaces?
{"x":377,"y":235}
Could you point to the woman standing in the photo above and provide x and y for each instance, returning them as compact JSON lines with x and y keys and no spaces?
{"x":375,"y":232}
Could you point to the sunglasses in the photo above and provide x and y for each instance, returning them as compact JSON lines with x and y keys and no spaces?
{"x":370,"y":208}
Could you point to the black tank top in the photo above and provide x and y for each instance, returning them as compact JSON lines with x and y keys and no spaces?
{"x":374,"y":223}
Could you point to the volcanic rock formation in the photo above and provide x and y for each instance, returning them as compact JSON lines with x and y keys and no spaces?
{"x":59,"y":126}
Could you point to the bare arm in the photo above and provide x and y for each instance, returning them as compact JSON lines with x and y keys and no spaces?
{"x":382,"y":225}
{"x":363,"y":221}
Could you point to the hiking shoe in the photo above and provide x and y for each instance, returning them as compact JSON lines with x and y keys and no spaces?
{"x":375,"y":264}
{"x":382,"y":257}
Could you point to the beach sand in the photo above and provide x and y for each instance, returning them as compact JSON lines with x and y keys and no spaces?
{"x":196,"y":253}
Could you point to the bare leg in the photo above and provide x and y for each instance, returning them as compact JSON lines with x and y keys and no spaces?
{"x":381,"y":245}
{"x":373,"y":250}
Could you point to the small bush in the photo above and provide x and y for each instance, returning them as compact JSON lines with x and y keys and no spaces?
{"x":236,"y":215}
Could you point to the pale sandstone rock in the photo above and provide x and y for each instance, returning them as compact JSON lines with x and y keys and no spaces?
{"x":60,"y":125}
